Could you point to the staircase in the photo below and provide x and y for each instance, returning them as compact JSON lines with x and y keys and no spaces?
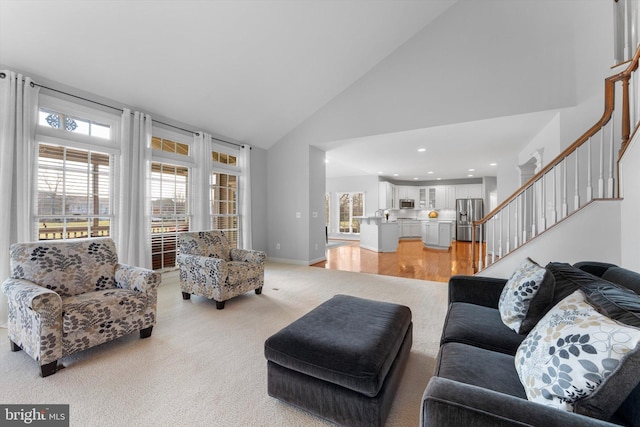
{"x":585,"y":174}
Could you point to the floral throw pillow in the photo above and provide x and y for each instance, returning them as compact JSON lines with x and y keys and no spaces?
{"x":579,"y":360}
{"x":526,"y":296}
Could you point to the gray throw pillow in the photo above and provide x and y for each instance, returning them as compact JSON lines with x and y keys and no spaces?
{"x":526,"y":296}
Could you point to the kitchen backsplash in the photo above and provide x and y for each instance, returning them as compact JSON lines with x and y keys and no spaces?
{"x":443,"y":214}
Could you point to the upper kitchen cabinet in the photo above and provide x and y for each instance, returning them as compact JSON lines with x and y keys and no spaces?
{"x":469,"y":191}
{"x":441,"y":197}
{"x":409,"y":192}
{"x":387,"y":195}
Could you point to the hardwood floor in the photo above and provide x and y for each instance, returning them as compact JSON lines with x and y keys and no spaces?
{"x":412,"y":260}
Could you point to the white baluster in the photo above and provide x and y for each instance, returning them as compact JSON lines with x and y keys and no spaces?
{"x":507,"y":250}
{"x":480,"y":267}
{"x":601,"y":162}
{"x":576,"y":196}
{"x":542,"y":225}
{"x":589,"y":189}
{"x":554,"y":211}
{"x":612,"y":162}
{"x":565,"y":206}
{"x":516,"y":223}
{"x":534,"y":196}
{"x":493,"y":239}
{"x":500,"y":239}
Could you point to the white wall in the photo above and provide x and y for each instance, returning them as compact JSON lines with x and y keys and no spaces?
{"x":317,"y":189}
{"x":630,"y":191}
{"x":259,"y":199}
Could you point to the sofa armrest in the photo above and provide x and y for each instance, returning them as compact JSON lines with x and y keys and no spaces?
{"x":476,"y":290}
{"x":136,"y":278}
{"x":451,"y":403}
{"x":43,"y":301}
{"x":246,"y":255}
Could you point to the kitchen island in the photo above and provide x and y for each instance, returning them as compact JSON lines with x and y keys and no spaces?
{"x":377,"y":234}
{"x":437,"y":234}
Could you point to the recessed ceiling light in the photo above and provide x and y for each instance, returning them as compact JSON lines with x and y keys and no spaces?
{"x":395,"y":174}
{"x":438,"y":179}
{"x":415,"y":178}
{"x":422,"y":150}
{"x":470,"y":174}
{"x":430,"y":172}
{"x":380,"y":173}
{"x":471,"y":170}
{"x":493,"y":164}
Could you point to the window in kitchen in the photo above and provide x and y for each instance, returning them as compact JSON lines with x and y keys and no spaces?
{"x":351,"y":205}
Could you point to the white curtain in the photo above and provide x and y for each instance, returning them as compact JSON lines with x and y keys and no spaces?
{"x":245,"y":197}
{"x":18,"y":120}
{"x":201,"y":189}
{"x":133,"y":212}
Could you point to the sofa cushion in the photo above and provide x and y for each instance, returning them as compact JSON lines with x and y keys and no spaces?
{"x":568,"y":279}
{"x":615,"y":302}
{"x":479,"y":326}
{"x":579,"y":360}
{"x":526,"y":296}
{"x":490,"y":370}
{"x":83,"y":311}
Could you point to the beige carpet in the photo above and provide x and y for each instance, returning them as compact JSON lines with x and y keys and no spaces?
{"x":206,"y":367}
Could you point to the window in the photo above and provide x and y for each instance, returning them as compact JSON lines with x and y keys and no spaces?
{"x":170,"y":187}
{"x":351,"y":205}
{"x":224,"y":205}
{"x":169,"y":211}
{"x":76,"y":154}
{"x":224,"y":158}
{"x":73,"y":194}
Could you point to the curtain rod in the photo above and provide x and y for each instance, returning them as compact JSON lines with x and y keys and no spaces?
{"x":121,"y":110}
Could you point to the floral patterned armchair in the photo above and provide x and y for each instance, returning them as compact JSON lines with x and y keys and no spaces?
{"x":211,"y":268}
{"x":69,"y":295}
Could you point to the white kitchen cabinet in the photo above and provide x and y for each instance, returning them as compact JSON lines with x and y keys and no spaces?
{"x":469,"y":191}
{"x":408,"y":192}
{"x":444,"y":234}
{"x":450,"y":197}
{"x":409,"y":227}
{"x":387,"y":196}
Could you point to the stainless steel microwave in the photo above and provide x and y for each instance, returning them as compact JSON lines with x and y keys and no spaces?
{"x":407,"y":203}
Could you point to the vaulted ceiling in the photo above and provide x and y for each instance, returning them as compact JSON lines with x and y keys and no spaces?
{"x":254,"y":71}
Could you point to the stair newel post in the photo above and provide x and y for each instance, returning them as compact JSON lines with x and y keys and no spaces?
{"x":625,"y":131}
{"x":565,"y":206}
{"x":612,"y":161}
{"x":589,"y":188}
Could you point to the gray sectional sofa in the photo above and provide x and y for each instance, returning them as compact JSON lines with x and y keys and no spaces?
{"x":476,"y":381}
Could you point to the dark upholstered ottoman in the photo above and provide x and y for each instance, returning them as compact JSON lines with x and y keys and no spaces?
{"x":341,"y":361}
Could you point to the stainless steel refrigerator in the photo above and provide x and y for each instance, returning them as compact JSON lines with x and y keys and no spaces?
{"x":467,"y":211}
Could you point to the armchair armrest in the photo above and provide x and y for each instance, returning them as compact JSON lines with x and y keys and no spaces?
{"x":43,"y":301}
{"x":451,"y":403}
{"x":247,"y":255}
{"x":476,"y":290}
{"x":136,"y":278}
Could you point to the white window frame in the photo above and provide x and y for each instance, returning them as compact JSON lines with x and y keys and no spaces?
{"x":61,"y":137}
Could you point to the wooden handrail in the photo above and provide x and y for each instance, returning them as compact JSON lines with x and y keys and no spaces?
{"x":609,"y":101}
{"x":609,"y":106}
